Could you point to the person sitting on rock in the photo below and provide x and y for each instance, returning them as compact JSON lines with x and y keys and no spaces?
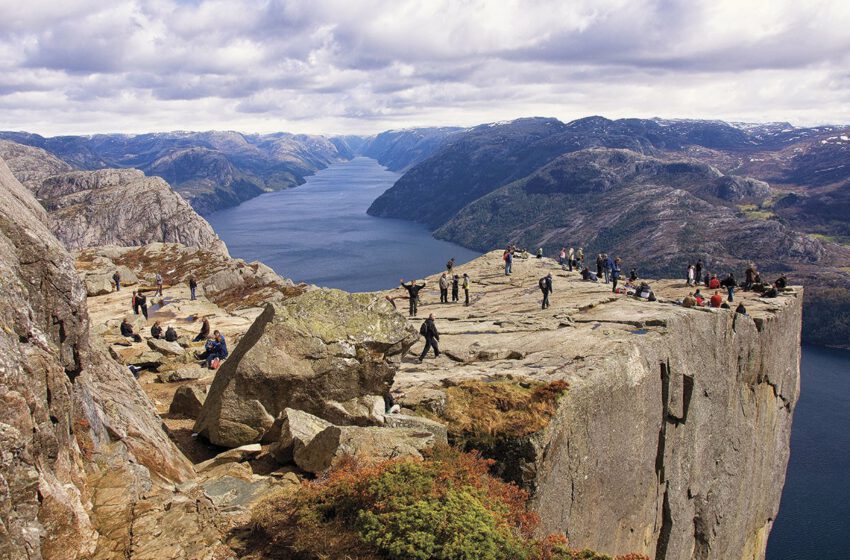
{"x":429,"y":331}
{"x":156,"y":330}
{"x":689,"y":301}
{"x":216,"y":347}
{"x":413,"y":291}
{"x":170,"y":334}
{"x":633,"y":275}
{"x":127,"y":330}
{"x":588,"y":276}
{"x":716,"y":299}
{"x":116,"y":279}
{"x":205,"y":331}
{"x":714,"y":282}
{"x":741,"y":309}
{"x":699,"y":297}
{"x":781,"y":282}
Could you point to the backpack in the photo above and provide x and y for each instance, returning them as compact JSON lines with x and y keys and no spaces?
{"x":542,"y":283}
{"x":423,"y":330}
{"x":215,"y":363}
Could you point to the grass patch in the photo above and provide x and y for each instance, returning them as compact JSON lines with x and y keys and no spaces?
{"x":447,"y":507}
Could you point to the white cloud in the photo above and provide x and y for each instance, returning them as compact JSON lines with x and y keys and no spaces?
{"x":345,"y":66}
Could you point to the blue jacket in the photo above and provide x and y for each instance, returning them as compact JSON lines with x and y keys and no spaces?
{"x":615,"y":272}
{"x":609,"y":264}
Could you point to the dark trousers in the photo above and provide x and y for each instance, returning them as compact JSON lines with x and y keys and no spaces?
{"x":444,"y":295}
{"x":731,"y":293}
{"x":454,"y":294}
{"x":614,"y":286}
{"x":413,"y":303}
{"x":159,"y":289}
{"x":144,"y":310}
{"x":545,"y":298}
{"x":118,"y":285}
{"x":466,"y":296}
{"x":136,"y":308}
{"x":192,"y":292}
{"x":430,"y":342}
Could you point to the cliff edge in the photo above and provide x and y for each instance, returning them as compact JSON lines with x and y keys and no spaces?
{"x":673,"y":437}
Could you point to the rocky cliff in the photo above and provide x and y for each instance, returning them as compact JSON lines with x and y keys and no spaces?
{"x":673,"y":436}
{"x":85,"y":465}
{"x":110,"y":206}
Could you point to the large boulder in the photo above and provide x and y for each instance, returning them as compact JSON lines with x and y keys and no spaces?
{"x":99,"y":284}
{"x":187,"y":401}
{"x":165,"y":347}
{"x":297,"y":430}
{"x":311,"y":352}
{"x":368,"y":444}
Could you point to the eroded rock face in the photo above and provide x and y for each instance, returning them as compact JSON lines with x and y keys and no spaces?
{"x":81,"y":444}
{"x":311,"y":352}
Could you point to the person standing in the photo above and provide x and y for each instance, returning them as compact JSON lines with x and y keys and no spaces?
{"x":615,"y":274}
{"x":193,"y":285}
{"x":159,"y":283}
{"x":135,"y":303}
{"x":142,"y":302}
{"x":698,"y":271}
{"x":413,"y":291}
{"x":429,"y":331}
{"x":509,"y":260}
{"x":450,"y":265}
{"x":580,"y":258}
{"x":545,"y":285}
{"x":571,"y":255}
{"x":609,"y":266}
{"x":540,"y":252}
{"x":455,"y":282}
{"x":466,"y":289}
{"x":116,"y":279}
{"x":690,"y":275}
{"x":444,"y":288}
{"x":600,"y":263}
{"x":562,"y":256}
{"x":730,"y":283}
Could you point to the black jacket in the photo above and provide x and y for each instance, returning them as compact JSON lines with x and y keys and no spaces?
{"x":431,"y":329}
{"x":141,"y":300}
{"x":156,"y":331}
{"x":126,"y":329}
{"x":170,"y":334}
{"x":413,"y":289}
{"x":545,"y":284}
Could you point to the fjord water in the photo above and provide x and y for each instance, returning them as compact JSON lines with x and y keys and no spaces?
{"x":320,"y":233}
{"x":813,"y":517}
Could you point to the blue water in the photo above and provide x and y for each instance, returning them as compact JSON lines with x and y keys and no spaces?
{"x":814,"y":517}
{"x":319,"y":232}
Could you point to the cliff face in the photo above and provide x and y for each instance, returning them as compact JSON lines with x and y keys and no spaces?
{"x":673,"y":437}
{"x":83,"y":453}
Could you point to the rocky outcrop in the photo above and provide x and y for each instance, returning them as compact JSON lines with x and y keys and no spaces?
{"x":673,"y":437}
{"x":31,"y":165}
{"x":84,"y":460}
{"x":317,"y":352}
{"x":121,"y":207}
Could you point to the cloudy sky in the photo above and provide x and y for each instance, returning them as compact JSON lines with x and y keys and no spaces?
{"x":350,"y":66}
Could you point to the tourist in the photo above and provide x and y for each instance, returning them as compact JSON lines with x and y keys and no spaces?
{"x":716,"y":299}
{"x":444,"y":288}
{"x":205,"y":331}
{"x":540,"y":253}
{"x":455,"y":286}
{"x":215,"y":348}
{"x":159,"y":283}
{"x":698,"y":270}
{"x":690,"y":275}
{"x":545,"y":285}
{"x":156,"y":330}
{"x":609,"y":266}
{"x":193,"y":285}
{"x":615,"y":274}
{"x":749,"y":277}
{"x":689,"y":301}
{"x":571,"y":255}
{"x":725,"y":305}
{"x":170,"y":334}
{"x":429,"y":331}
{"x":127,"y":330}
{"x":116,"y":279}
{"x":600,"y":264}
{"x":142,"y":302}
{"x":466,"y":289}
{"x":580,"y":258}
{"x":714,"y":282}
{"x":633,"y":275}
{"x":699,"y":297}
{"x":450,"y":265}
{"x":729,"y":283}
{"x":588,"y":276}
{"x":562,"y":256}
{"x":741,"y":309}
{"x":413,"y":291}
{"x":509,"y":259}
{"x":134,"y":301}
{"x":706,"y":279}
{"x":781,"y":282}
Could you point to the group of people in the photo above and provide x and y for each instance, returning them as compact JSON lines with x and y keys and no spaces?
{"x":570,"y":259}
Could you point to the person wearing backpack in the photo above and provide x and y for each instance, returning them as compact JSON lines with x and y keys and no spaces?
{"x":545,"y":285}
{"x":413,"y":291}
{"x":116,"y":279}
{"x":429,"y":331}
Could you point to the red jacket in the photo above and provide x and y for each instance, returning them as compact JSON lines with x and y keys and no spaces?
{"x":714,"y":283}
{"x":716,"y":300}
